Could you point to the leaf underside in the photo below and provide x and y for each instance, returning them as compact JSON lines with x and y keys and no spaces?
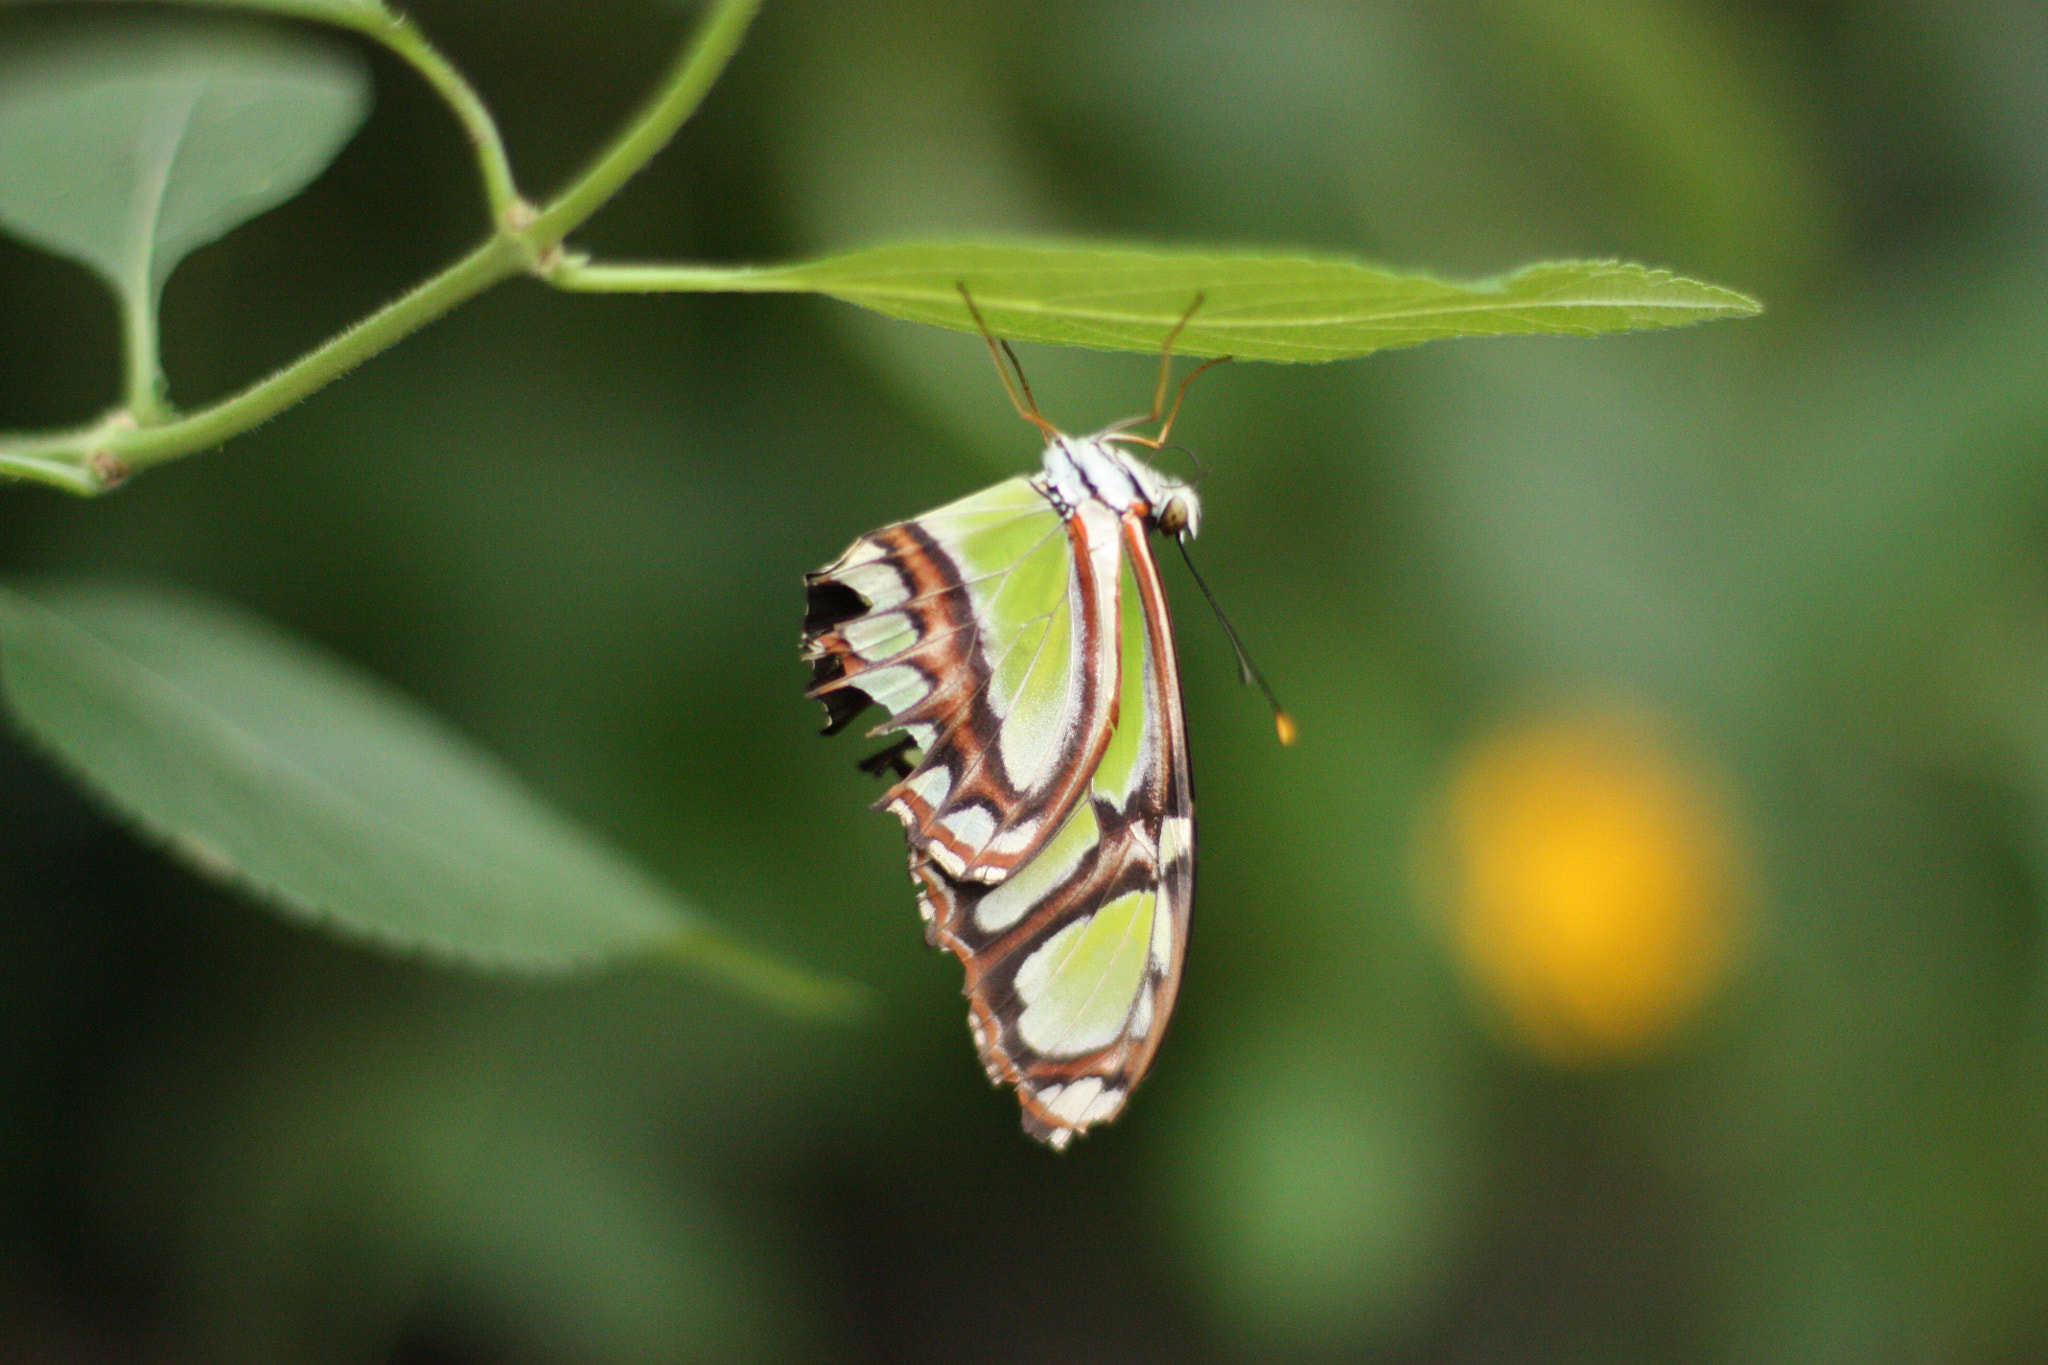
{"x":126,"y":146}
{"x":1254,"y":306}
{"x":266,"y":763}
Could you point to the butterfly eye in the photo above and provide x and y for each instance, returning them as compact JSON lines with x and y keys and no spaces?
{"x":1176,"y":518}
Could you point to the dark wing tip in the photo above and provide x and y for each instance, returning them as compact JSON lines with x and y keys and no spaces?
{"x":842,"y":704}
{"x":829,"y":603}
{"x":895,"y":758}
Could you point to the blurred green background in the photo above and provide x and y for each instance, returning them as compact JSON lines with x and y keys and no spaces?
{"x":1641,"y":958}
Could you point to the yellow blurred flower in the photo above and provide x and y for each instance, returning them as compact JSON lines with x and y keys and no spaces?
{"x":1595,"y":888}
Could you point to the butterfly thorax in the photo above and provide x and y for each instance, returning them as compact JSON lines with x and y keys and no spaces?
{"x":1083,"y":469}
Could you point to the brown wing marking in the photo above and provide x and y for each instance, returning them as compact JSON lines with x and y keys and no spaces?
{"x":958,"y":805}
{"x":1145,"y":841}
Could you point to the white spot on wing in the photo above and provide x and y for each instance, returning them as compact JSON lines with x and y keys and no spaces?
{"x":1141,"y":1017}
{"x":875,"y":579}
{"x":1106,"y":1104}
{"x":862,"y":551}
{"x":896,"y":688}
{"x":971,"y":825}
{"x":1077,"y":1102}
{"x":1014,"y":840}
{"x":945,"y":857}
{"x":1162,"y":939}
{"x":1176,"y":840}
{"x":931,"y":786}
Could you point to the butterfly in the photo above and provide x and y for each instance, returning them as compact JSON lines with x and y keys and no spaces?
{"x":1019,"y":640}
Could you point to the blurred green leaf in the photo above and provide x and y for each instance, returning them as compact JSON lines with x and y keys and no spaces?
{"x":351,"y":13}
{"x":268,"y":764}
{"x":126,"y":147}
{"x":1337,"y":1188}
{"x":1689,"y":112}
{"x":1255,"y":307}
{"x":348,"y":12}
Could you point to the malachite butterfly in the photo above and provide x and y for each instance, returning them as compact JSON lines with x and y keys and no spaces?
{"x":1019,"y":640}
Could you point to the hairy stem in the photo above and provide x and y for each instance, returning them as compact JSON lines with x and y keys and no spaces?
{"x":497,"y":259}
{"x":678,"y":97}
{"x":582,"y":277}
{"x":406,"y":39}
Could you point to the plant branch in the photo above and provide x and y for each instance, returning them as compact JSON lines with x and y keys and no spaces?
{"x":794,"y":990}
{"x":579,"y":276}
{"x":144,"y":369}
{"x":687,"y":84}
{"x":94,"y":458}
{"x":497,"y":259}
{"x":407,"y":40}
{"x":27,"y":459}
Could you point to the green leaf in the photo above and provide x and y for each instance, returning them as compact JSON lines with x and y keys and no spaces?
{"x":126,"y":145}
{"x":264,"y":762}
{"x":1255,"y":307}
{"x":350,"y":13}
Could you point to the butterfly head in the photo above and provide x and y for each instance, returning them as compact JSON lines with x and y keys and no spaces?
{"x":1099,"y":469}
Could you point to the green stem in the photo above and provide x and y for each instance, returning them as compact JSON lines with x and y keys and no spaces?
{"x":497,"y":259}
{"x":94,"y":458}
{"x":792,"y":989}
{"x":678,"y":98}
{"x":407,"y":40}
{"x":65,"y":473}
{"x":581,"y":277}
{"x":145,"y":374}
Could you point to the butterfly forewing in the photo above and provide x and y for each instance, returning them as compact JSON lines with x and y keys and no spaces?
{"x":983,"y":633}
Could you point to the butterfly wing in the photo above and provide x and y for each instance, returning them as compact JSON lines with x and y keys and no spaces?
{"x":1074,"y":962}
{"x":987,"y":630}
{"x":1029,"y":657}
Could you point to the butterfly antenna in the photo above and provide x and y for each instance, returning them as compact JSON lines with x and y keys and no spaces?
{"x":1019,"y":388}
{"x":1247,"y":671}
{"x":1166,"y":375}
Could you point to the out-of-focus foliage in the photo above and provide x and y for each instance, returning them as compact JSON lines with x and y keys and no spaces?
{"x":127,"y":146}
{"x":130,"y":145}
{"x":1803,"y":553}
{"x":278,"y":770}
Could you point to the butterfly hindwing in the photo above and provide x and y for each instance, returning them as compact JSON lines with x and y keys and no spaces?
{"x":1074,"y":962}
{"x":1024,"y":651}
